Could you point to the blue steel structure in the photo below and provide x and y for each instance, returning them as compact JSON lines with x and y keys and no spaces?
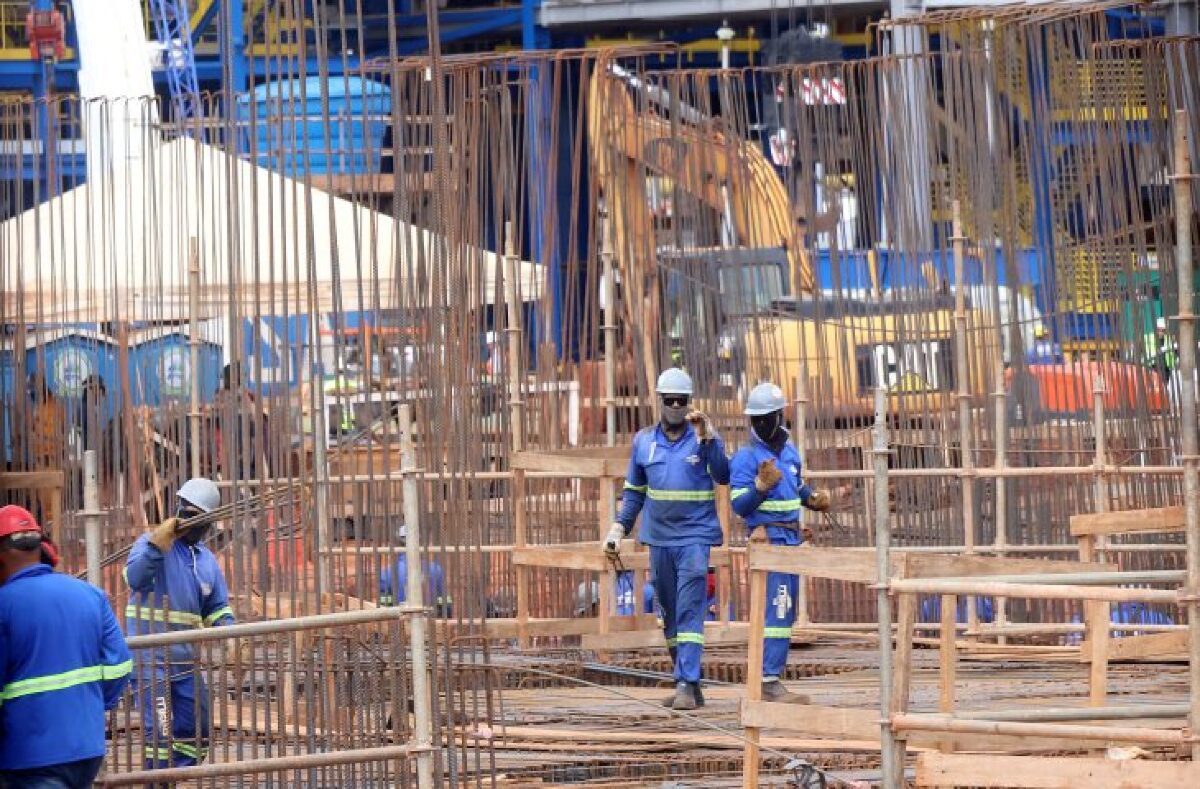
{"x":173,"y":26}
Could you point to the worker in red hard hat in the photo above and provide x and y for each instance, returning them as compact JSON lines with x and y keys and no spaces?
{"x":63,"y":662}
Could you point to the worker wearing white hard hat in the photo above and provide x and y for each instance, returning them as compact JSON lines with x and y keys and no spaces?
{"x":673,"y":471}
{"x":175,"y":584}
{"x":768,"y":490}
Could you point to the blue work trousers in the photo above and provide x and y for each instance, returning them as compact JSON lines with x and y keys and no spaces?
{"x":175,"y":716}
{"x":680,"y":584}
{"x":72,"y":775}
{"x":782,"y":590}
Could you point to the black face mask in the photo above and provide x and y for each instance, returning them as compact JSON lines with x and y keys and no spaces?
{"x":673,"y":415}
{"x":767,"y":426}
{"x":196,"y":533}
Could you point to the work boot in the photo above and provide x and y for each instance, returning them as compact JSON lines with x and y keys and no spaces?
{"x":685,"y":696}
{"x":773,"y":690}
{"x":699,"y":694}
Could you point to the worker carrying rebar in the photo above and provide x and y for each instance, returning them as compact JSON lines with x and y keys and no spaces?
{"x":177,"y":584}
{"x":768,"y":492}
{"x":63,"y":662}
{"x":673,"y":470}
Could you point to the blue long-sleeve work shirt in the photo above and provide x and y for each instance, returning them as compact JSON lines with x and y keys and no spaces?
{"x":672,"y":485}
{"x":782,"y":503}
{"x":186,"y":580}
{"x":63,"y":662}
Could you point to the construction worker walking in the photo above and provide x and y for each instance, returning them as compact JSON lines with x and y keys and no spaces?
{"x":177,"y":585}
{"x":673,"y":470}
{"x":767,"y":490}
{"x":63,"y":663}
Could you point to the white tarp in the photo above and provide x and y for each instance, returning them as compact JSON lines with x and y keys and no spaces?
{"x":123,"y":254}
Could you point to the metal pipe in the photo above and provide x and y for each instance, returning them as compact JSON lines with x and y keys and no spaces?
{"x":269,"y":765}
{"x":1097,"y":578}
{"x":1187,"y":401}
{"x":883,"y":539}
{"x":610,"y":330}
{"x":91,"y":524}
{"x":962,"y":372}
{"x":513,"y":330}
{"x":363,"y":616}
{"x":943,"y":723}
{"x":1114,"y":712}
{"x":1036,"y":591}
{"x":415,"y":597}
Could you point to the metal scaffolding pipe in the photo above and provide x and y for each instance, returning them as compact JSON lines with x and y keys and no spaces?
{"x":365,"y":616}
{"x":1114,"y":712}
{"x":946,"y":723}
{"x":1036,"y":591}
{"x":889,"y":754}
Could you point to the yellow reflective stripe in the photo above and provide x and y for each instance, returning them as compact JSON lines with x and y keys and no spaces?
{"x":189,"y":750}
{"x":638,"y":488}
{"x":672,"y":642}
{"x":733,"y":494}
{"x":67,"y":679}
{"x":780,"y":505}
{"x":220,"y":612}
{"x":691,"y":638}
{"x":158,"y":754}
{"x":777,"y":632}
{"x":386,"y":599}
{"x":146,"y":614}
{"x":681,"y":495}
{"x":125,"y":575}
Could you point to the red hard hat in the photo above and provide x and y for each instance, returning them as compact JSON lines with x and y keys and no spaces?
{"x":14,"y":520}
{"x":18,"y":520}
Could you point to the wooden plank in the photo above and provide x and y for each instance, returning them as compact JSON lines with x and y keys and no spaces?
{"x":754,"y":672}
{"x":840,"y":564}
{"x":1038,"y":772}
{"x":947,"y":658}
{"x":933,"y":565}
{"x":1156,"y":646}
{"x":31,"y":480}
{"x":581,"y":626}
{"x":715,"y":634}
{"x":583,"y":465}
{"x":832,"y":722}
{"x":588,"y":556}
{"x":1098,"y":614}
{"x":1155,"y":519}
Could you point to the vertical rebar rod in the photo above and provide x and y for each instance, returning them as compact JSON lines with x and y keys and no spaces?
{"x":194,"y":354}
{"x":415,"y":596}
{"x":1187,"y":391}
{"x":883,"y":538}
{"x":91,"y":523}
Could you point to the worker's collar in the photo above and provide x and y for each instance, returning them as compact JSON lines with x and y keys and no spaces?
{"x":33,"y":569}
{"x":661,"y":436}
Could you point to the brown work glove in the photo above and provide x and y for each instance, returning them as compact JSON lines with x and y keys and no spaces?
{"x":759,"y":535}
{"x":163,"y":535}
{"x":702,"y":425}
{"x":807,"y":533}
{"x":819,"y":501}
{"x":768,"y":476}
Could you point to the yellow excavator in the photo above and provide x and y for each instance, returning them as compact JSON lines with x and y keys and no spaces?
{"x":732,"y":294}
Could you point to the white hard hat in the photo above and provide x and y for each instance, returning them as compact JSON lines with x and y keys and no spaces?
{"x":765,"y":398}
{"x":200,"y":492}
{"x":674,"y":381}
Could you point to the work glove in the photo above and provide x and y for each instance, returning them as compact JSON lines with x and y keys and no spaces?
{"x":163,"y":535}
{"x":807,"y":533}
{"x":768,"y":476}
{"x":702,"y":425}
{"x":612,"y":542}
{"x":819,"y":501}
{"x":759,"y":535}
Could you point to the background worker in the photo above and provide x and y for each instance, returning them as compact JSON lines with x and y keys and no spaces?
{"x":174,"y":577}
{"x":672,"y":472}
{"x":767,"y":490}
{"x":393,"y":582}
{"x":63,"y":662}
